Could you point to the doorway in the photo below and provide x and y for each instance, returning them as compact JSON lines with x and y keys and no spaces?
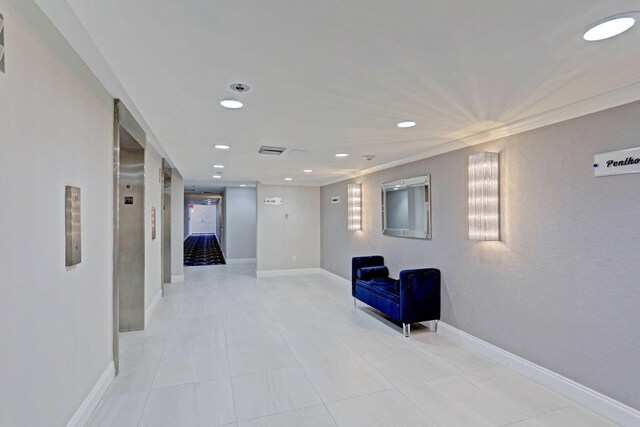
{"x":203,"y":219}
{"x":128,"y":257}
{"x":203,"y":245}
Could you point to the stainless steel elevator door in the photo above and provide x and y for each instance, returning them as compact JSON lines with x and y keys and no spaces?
{"x":131,"y":236}
{"x":166,"y":228}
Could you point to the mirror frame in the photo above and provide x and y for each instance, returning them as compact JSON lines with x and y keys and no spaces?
{"x":426,"y":181}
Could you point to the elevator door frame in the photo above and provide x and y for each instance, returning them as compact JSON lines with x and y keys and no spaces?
{"x":122,"y":119}
{"x":166,"y":224}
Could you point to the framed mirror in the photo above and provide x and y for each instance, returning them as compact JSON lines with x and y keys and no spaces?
{"x":406,"y":207}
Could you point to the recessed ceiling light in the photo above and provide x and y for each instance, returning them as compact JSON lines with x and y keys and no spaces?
{"x":222,"y":146}
{"x":342,"y":155}
{"x":288,"y":179}
{"x":218,"y":166}
{"x":217,"y":176}
{"x":307,"y":170}
{"x":406,"y":124}
{"x":609,"y":28}
{"x":243,"y":185}
{"x":231,"y":103}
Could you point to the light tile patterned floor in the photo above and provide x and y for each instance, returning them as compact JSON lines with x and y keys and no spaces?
{"x":225,"y":348}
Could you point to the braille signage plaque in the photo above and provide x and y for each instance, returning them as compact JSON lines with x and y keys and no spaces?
{"x":72,"y":226}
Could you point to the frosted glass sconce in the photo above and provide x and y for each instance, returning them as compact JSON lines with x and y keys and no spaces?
{"x":354,"y":207}
{"x":484,"y":201}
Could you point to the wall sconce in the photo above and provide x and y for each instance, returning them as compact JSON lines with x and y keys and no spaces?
{"x":484,"y":201}
{"x":354,"y":207}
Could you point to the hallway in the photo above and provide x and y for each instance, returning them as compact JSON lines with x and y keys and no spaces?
{"x":225,"y":347}
{"x":202,"y":249}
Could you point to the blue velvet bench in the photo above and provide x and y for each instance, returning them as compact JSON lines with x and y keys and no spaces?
{"x":415,"y":297}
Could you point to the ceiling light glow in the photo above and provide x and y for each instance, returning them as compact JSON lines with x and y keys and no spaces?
{"x":243,"y":185}
{"x":307,"y":171}
{"x":342,"y":155}
{"x":217,"y":176}
{"x":288,"y":179}
{"x":231,"y":103}
{"x":609,"y":28}
{"x":218,"y":166}
{"x":222,"y":146}
{"x":406,"y":124}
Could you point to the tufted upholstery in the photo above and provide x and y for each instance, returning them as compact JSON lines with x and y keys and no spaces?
{"x":415,"y":297}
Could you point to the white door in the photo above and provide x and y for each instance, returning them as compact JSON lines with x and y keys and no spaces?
{"x":203,"y":219}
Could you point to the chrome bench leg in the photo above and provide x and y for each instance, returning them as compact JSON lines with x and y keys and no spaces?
{"x":355,"y":304}
{"x":406,"y":329}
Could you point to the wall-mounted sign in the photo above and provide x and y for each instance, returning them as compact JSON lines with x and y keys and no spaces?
{"x":72,"y":227}
{"x":275,"y":201}
{"x":128,"y":200}
{"x":335,"y":199}
{"x":153,"y":223}
{"x":617,"y":162}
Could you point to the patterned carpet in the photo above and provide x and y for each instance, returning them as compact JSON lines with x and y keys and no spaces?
{"x":202,"y":249}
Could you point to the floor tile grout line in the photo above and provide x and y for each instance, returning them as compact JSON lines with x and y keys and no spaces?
{"x":259,"y":292}
{"x":572,"y":402}
{"x":307,"y":377}
{"x":146,"y":400}
{"x":233,"y":393}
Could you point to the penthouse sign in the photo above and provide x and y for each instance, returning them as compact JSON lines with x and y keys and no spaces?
{"x":617,"y":162}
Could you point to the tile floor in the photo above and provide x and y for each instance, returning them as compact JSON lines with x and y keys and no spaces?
{"x":225,"y":348}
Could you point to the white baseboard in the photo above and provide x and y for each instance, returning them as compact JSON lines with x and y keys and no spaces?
{"x":335,"y":277}
{"x":177,"y":278}
{"x":240,"y":260}
{"x":154,"y":304}
{"x":597,"y":402}
{"x":92,"y":400}
{"x":290,"y":272}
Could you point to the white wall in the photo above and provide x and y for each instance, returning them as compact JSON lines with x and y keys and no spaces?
{"x":153,"y":248}
{"x":203,"y":219}
{"x":56,"y":129}
{"x":279,"y":239}
{"x":177,"y":225}
{"x":240,"y":223}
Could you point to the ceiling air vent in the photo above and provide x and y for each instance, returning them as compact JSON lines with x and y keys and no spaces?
{"x":272,"y":151}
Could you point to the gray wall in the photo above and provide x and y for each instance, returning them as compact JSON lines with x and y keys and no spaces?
{"x":280,"y":239}
{"x":240,"y":222}
{"x":562,"y":287}
{"x":56,"y":129}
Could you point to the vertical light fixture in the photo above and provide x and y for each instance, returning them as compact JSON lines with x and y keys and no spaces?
{"x":484,"y":202}
{"x":1,"y":43}
{"x":354,"y":207}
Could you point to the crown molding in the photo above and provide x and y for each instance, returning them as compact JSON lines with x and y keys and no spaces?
{"x":583,"y":107}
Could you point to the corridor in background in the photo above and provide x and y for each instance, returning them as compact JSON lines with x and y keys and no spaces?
{"x":202,"y":249}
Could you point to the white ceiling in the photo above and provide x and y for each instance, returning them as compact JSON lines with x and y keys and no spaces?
{"x":336,"y":76}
